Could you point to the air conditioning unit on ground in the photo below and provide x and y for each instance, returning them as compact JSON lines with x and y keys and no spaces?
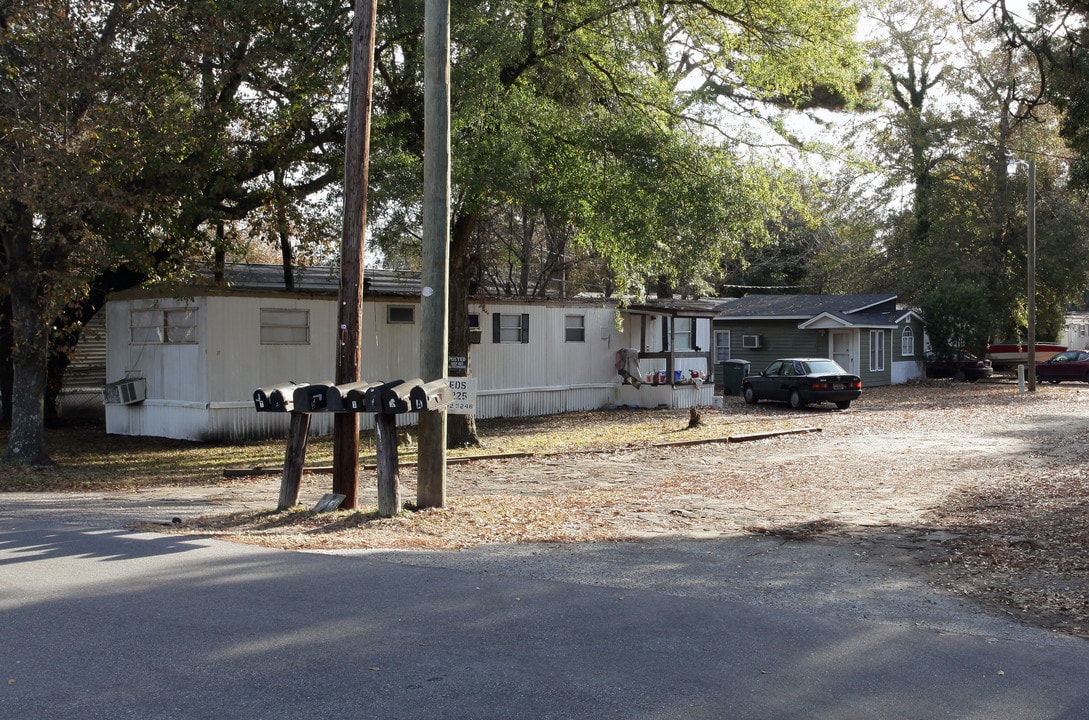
{"x":752,"y":342}
{"x":124,"y":392}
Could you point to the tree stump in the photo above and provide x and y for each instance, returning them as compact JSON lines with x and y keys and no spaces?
{"x":695,"y":417}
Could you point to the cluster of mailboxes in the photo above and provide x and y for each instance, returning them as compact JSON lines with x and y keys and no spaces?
{"x":397,"y":396}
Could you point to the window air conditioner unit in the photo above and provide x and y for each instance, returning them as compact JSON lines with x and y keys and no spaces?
{"x":125,"y":392}
{"x":752,"y":342}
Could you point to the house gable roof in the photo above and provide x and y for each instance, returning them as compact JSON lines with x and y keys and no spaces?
{"x":804,"y":307}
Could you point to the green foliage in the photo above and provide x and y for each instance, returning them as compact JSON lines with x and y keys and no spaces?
{"x":130,"y":133}
{"x":958,"y":317}
{"x":596,"y":116}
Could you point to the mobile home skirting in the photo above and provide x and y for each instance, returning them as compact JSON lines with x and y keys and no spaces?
{"x":235,"y":421}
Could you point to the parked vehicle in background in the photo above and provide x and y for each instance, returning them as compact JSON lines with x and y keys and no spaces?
{"x":801,"y":381}
{"x":1072,"y":365}
{"x":962,"y":366}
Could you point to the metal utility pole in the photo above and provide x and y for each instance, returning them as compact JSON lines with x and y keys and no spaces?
{"x":1031,"y":282}
{"x":434,"y":336}
{"x":350,"y":305}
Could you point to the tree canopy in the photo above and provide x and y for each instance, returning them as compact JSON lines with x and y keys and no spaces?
{"x":132,"y":132}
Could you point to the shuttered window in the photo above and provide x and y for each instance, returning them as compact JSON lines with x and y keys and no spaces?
{"x":510,"y":328}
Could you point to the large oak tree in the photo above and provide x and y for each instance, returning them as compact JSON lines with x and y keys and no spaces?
{"x":623,"y":121}
{"x":131,"y":133}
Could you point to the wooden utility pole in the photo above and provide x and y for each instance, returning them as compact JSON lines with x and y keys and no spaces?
{"x":431,"y":466}
{"x":350,"y":306}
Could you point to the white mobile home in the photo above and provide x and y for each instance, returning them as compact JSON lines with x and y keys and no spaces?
{"x":194,"y":358}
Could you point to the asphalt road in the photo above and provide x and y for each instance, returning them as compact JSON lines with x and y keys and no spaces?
{"x":99,"y":622}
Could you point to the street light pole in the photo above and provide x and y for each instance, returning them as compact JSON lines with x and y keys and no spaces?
{"x":1030,"y":264}
{"x":1031,"y":271}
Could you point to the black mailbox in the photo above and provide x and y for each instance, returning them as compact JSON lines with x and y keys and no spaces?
{"x":349,"y":397}
{"x":397,"y":399}
{"x":372,"y":398}
{"x":276,"y":398}
{"x":431,"y":396}
{"x":312,"y":397}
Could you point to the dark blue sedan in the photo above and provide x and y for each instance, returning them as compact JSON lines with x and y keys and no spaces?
{"x":801,"y":381}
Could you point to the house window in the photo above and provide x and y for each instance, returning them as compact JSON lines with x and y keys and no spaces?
{"x":907,"y":342}
{"x":722,"y":345}
{"x":285,"y":326}
{"x":400,"y":314}
{"x":683,"y":333}
{"x":156,"y":327}
{"x":510,"y":328}
{"x":574,"y":328}
{"x":877,"y":350}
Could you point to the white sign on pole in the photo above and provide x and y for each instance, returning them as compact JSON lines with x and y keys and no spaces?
{"x":464,"y":389}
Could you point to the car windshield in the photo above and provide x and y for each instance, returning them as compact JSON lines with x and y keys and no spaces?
{"x":822,"y":367}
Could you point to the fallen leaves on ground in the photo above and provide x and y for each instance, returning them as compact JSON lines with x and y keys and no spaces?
{"x":999,"y":477}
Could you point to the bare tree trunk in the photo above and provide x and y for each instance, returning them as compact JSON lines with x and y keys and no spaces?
{"x":30,"y":343}
{"x":6,"y":382}
{"x":287,"y":253}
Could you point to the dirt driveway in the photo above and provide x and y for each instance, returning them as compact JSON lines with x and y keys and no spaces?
{"x":979,"y":487}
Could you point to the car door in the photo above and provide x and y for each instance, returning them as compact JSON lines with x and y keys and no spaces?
{"x":780,"y":383}
{"x":1068,"y":368}
{"x":1080,"y":366}
{"x":766,"y":382}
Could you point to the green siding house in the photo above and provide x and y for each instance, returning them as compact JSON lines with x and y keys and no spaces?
{"x":866,"y":334}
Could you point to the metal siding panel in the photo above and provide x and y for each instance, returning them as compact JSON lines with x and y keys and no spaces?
{"x":583,"y":373}
{"x":543,"y":402}
{"x":511,"y":365}
{"x":573,"y":363}
{"x":391,"y":351}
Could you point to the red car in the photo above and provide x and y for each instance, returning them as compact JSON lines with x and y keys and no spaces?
{"x":1069,"y":365}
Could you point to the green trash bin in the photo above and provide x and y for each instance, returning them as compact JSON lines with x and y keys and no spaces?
{"x":733,"y":373}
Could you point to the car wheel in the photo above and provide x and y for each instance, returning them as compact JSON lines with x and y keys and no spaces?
{"x":750,"y":396}
{"x":843,"y":404}
{"x":960,"y":376}
{"x":796,"y":400}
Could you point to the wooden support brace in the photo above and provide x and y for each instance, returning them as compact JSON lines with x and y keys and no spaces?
{"x":294,"y":459}
{"x":389,"y":481}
